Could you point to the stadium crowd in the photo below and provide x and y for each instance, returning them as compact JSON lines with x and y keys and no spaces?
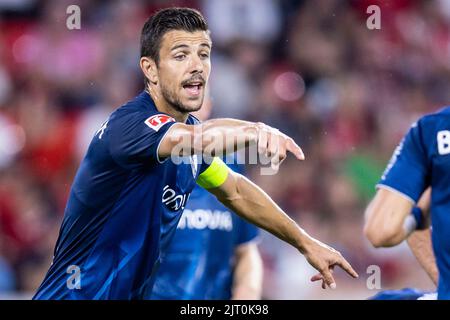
{"x":313,"y":69}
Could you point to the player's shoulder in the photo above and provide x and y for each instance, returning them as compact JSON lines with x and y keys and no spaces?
{"x":429,"y":126}
{"x":140,"y":105}
{"x":441,"y":116}
{"x":140,"y":108}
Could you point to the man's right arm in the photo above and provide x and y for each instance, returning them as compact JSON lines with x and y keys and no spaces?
{"x":223,"y":136}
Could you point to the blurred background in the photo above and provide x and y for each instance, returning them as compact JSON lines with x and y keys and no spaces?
{"x":313,"y":69}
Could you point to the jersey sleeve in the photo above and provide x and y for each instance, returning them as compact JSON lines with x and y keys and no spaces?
{"x":407,"y":172}
{"x":246,"y":232}
{"x":135,"y":138}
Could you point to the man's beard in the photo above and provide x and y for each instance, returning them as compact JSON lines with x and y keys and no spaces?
{"x":175,"y":102}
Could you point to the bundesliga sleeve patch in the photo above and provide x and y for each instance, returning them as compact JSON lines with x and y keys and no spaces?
{"x":158,"y":120}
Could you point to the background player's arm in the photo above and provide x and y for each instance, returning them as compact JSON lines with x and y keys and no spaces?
{"x":222,"y":136}
{"x":386,"y":214}
{"x":385,"y":217}
{"x":420,"y":243}
{"x":248,"y":273}
{"x":253,"y":204}
{"x":384,"y":226}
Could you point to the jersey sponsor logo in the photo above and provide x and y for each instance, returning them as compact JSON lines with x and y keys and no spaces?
{"x":172,"y":200}
{"x":201,"y":219}
{"x":158,"y":120}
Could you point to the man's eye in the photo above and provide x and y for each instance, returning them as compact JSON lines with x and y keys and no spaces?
{"x":204,"y":55}
{"x":180,"y":57}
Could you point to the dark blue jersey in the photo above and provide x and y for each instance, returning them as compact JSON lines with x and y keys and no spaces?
{"x":421,"y":160}
{"x":199,"y":261}
{"x":123,"y":208}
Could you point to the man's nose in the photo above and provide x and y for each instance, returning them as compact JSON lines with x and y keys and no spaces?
{"x":196,"y":65}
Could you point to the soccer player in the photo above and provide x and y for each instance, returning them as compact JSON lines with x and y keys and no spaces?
{"x":421,"y":160}
{"x":131,"y":189}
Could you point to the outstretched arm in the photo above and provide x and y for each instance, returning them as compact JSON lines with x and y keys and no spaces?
{"x":253,"y":204}
{"x":222,"y":136}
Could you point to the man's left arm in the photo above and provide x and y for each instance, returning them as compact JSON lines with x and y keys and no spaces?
{"x":248,"y":272}
{"x":254,"y":205}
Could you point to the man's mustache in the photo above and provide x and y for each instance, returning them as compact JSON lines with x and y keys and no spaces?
{"x":195,"y":78}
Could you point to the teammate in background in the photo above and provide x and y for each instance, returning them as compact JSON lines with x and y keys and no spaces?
{"x":141,"y":166}
{"x":213,"y":254}
{"x":421,"y":160}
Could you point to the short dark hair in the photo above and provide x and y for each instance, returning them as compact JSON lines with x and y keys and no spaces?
{"x":166,"y":20}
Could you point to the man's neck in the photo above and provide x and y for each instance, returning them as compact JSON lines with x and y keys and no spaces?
{"x":163,"y":106}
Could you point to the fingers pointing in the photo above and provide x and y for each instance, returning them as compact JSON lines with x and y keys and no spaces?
{"x":347,"y":267}
{"x":295,"y":149}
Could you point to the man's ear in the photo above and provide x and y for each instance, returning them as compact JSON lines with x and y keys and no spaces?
{"x":148,"y":67}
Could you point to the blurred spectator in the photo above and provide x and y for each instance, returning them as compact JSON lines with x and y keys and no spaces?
{"x":255,"y":20}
